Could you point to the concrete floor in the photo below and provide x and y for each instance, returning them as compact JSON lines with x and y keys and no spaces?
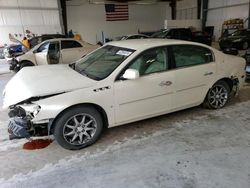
{"x":187,"y":149}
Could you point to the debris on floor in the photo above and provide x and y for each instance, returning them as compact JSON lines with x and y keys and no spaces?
{"x":37,"y":144}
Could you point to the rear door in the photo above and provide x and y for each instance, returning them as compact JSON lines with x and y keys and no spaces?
{"x":194,"y":69}
{"x":71,"y":51}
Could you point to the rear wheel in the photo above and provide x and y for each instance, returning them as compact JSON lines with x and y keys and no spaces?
{"x":218,"y":95}
{"x":78,"y":127}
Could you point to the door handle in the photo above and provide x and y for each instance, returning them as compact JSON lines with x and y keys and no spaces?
{"x":208,"y":73}
{"x":165,"y":83}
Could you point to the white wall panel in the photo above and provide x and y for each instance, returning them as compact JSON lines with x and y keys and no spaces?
{"x":11,"y":17}
{"x":49,"y":3}
{"x":38,"y":16}
{"x":29,"y":3}
{"x":8,"y":3}
{"x":32,"y":17}
{"x":90,"y":20}
{"x":50,"y":17}
{"x":186,"y":9}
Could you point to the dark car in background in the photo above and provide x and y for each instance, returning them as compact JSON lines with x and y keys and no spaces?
{"x":240,"y":39}
{"x":174,"y":33}
{"x":184,"y":34}
{"x":202,"y":37}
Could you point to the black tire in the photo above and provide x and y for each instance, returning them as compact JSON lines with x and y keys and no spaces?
{"x":215,"y":99}
{"x":66,"y":127}
{"x":25,"y":64}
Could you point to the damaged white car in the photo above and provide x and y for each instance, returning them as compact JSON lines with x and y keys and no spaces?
{"x":121,"y":82}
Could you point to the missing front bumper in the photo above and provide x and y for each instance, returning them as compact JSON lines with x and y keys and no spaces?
{"x":18,"y":128}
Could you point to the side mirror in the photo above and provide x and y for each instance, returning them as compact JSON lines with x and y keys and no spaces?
{"x":231,"y":51}
{"x":131,"y":74}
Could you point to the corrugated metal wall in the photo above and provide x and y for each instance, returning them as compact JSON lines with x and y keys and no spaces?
{"x":38,"y":16}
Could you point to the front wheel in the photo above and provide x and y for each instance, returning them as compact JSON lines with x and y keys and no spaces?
{"x":78,"y":127}
{"x":218,"y":95}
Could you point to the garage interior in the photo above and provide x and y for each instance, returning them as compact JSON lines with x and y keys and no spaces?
{"x":191,"y":148}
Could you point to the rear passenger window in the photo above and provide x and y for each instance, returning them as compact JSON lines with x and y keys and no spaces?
{"x":188,"y":55}
{"x":70,"y":44}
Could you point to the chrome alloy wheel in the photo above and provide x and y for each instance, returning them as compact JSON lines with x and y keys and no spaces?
{"x":79,"y":129}
{"x":218,"y":96}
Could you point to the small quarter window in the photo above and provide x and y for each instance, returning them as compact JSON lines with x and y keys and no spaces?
{"x":70,"y":44}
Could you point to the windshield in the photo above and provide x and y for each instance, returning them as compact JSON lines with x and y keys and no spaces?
{"x":102,"y":62}
{"x":160,"y":34}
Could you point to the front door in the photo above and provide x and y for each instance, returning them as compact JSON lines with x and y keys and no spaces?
{"x":41,"y":54}
{"x":151,"y":93}
{"x":194,"y":70}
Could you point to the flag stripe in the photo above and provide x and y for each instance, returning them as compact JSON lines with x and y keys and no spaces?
{"x":116,"y":12}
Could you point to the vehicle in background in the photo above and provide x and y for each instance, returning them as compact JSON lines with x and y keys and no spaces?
{"x":38,"y":39}
{"x":174,"y":33}
{"x":53,"y":51}
{"x":2,"y":52}
{"x":134,"y":36}
{"x":240,"y":39}
{"x":202,"y":37}
{"x":119,"y":83}
{"x":13,"y":50}
{"x":184,"y":34}
{"x":247,"y":58}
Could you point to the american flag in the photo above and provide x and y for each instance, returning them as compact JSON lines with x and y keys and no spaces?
{"x":116,"y":12}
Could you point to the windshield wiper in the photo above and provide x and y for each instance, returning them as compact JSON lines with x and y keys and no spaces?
{"x":83,"y":72}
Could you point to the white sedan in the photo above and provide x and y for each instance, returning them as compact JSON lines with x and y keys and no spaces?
{"x":53,"y":51}
{"x":121,"y":82}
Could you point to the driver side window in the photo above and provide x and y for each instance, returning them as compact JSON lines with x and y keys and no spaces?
{"x":151,"y":61}
{"x":43,"y":48}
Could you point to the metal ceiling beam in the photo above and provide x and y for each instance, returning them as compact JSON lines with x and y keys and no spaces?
{"x":63,"y":15}
{"x":173,"y":9}
{"x":204,"y":13}
{"x":199,"y":9}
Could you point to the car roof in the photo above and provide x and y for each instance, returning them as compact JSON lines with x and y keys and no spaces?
{"x":58,"y":39}
{"x":141,"y":44}
{"x":136,"y":35}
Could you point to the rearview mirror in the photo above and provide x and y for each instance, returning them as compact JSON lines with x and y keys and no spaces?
{"x":231,"y":51}
{"x":131,"y":74}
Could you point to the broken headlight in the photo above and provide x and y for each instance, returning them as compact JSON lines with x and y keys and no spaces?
{"x":31,"y":109}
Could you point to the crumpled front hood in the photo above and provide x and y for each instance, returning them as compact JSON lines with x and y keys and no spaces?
{"x":41,"y":81}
